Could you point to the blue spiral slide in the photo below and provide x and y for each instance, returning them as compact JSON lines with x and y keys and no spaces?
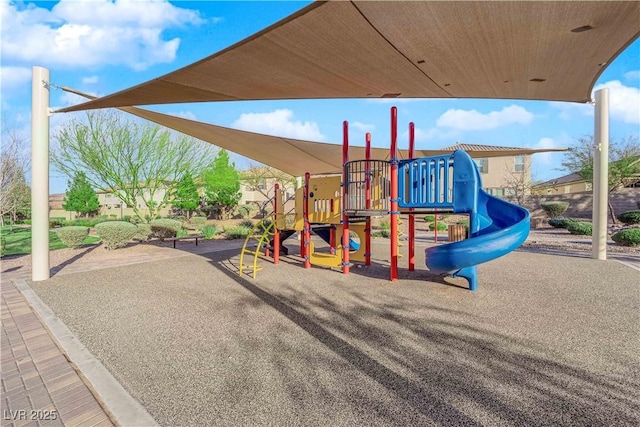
{"x":496,"y":227}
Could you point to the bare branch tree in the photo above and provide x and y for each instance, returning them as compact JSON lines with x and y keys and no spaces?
{"x":15,"y":194}
{"x":137,"y":162}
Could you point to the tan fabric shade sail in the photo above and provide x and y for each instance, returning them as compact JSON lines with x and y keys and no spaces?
{"x":293,"y":156}
{"x":538,"y":50}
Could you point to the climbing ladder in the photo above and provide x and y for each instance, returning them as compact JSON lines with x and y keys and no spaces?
{"x":261,"y":233}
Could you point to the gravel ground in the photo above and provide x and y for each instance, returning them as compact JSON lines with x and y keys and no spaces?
{"x":546,"y":340}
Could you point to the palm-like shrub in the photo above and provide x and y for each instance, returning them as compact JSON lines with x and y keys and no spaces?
{"x":72,"y":236}
{"x":116,"y":234}
{"x":209,"y":231}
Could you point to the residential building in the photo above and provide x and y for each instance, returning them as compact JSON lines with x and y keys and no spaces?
{"x":501,"y":176}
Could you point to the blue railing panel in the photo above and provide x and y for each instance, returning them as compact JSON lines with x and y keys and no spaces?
{"x":426,"y":182}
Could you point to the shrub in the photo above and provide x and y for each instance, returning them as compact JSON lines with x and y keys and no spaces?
{"x":209,"y":231}
{"x":73,"y":236}
{"x":182,"y":233}
{"x":237,"y":232}
{"x":554,"y":209}
{"x":198,"y":222}
{"x":126,"y":218}
{"x":246,"y":223}
{"x":381,"y":233}
{"x":580,"y":228}
{"x":56,"y":222}
{"x":441,"y":226}
{"x":561,"y":222}
{"x":464,"y":222}
{"x":165,"y":228}
{"x":3,"y":246}
{"x":630,"y":217}
{"x":244,"y":211}
{"x":384,"y":225}
{"x":143,"y":232}
{"x":628,"y":237}
{"x":116,"y":234}
{"x":429,"y":218}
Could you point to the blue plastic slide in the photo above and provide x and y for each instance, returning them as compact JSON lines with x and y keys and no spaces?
{"x":497,"y":227}
{"x":325,"y":234}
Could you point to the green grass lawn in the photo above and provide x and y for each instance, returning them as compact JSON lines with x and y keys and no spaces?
{"x":18,"y":240}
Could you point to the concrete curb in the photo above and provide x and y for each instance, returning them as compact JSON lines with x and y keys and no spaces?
{"x":117,"y":401}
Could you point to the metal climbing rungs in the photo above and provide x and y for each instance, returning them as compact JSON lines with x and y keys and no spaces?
{"x":261,"y":233}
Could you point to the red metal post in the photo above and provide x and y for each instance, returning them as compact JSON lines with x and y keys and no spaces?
{"x":306,"y":236}
{"x":276,"y":235}
{"x":394,"y":194}
{"x":367,"y":226}
{"x":412,"y":219}
{"x":345,"y":218}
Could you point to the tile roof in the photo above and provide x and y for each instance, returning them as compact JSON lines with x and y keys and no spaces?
{"x":478,"y":147}
{"x":565,"y":179}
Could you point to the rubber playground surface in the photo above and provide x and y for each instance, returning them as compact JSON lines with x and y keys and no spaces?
{"x":546,"y":340}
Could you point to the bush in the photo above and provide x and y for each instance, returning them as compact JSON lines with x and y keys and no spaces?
{"x":165,"y":228}
{"x":73,"y":236}
{"x":209,"y":231}
{"x":384,"y":225}
{"x":441,"y":226}
{"x":429,"y":218}
{"x":464,"y":222}
{"x":628,"y":237}
{"x":244,"y":211}
{"x":381,"y":233}
{"x":561,"y":222}
{"x":143,"y":232}
{"x":116,"y":234}
{"x":630,"y":217}
{"x":3,"y":246}
{"x":580,"y":228}
{"x":246,"y":223}
{"x":126,"y":218}
{"x":56,"y":222}
{"x":237,"y":232}
{"x":554,"y":209}
{"x":198,"y":222}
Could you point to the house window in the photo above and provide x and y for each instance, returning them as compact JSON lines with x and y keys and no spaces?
{"x":498,"y":192}
{"x":519,"y":164}
{"x":262,"y":185}
{"x":483,"y":165}
{"x":509,"y":191}
{"x":567,"y":189}
{"x":588,"y":186}
{"x":549,"y":191}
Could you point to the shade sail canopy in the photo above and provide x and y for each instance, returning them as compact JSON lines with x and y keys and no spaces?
{"x":293,"y":156}
{"x":538,"y":50}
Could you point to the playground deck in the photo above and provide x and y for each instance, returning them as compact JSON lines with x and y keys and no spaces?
{"x":546,"y":340}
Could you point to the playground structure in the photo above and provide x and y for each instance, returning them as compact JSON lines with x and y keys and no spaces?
{"x":339,"y":208}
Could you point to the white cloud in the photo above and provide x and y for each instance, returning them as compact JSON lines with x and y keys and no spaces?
{"x":12,"y":77}
{"x":278,"y":123}
{"x":90,"y":80}
{"x":569,"y":110}
{"x":93,"y":33}
{"x":363,"y":127}
{"x":632,"y":75}
{"x":474,"y":120}
{"x":184,"y":114}
{"x":624,"y":101}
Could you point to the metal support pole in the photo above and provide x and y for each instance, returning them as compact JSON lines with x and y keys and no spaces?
{"x":306,"y":236}
{"x":600,"y":175}
{"x":276,"y":235}
{"x":367,"y":200}
{"x":40,"y":174}
{"x":345,"y":218}
{"x":412,"y":219}
{"x":394,"y":195}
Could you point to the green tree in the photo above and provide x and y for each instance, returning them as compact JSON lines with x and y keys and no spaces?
{"x":186,"y":196}
{"x":624,"y":162}
{"x":222,"y":185}
{"x":136,"y":161}
{"x":80,"y":197}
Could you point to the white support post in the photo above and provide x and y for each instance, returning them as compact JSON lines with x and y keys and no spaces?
{"x":40,"y":174}
{"x":600,"y":175}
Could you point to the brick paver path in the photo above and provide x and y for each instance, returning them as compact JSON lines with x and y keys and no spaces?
{"x":39,"y":385}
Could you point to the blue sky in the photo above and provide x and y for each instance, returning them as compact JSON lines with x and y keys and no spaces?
{"x":103,"y":46}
